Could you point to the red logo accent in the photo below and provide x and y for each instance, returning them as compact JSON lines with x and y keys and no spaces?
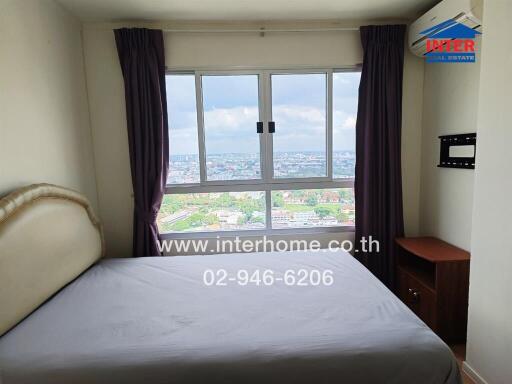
{"x":449,"y":45}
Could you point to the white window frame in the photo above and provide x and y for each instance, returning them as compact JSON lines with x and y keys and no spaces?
{"x":267,"y":183}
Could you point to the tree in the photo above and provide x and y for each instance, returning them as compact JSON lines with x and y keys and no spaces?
{"x":297,"y":193}
{"x":345,"y":194}
{"x":322,"y":212}
{"x":343,"y":217}
{"x":278,"y":200}
{"x":257,"y":219}
{"x":312,"y":200}
{"x":211,"y":219}
{"x":170,"y":204}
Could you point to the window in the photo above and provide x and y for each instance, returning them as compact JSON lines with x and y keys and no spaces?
{"x":230,"y":110}
{"x":299,"y":110}
{"x":260,"y":151}
{"x":183,"y":144}
{"x":344,"y":102}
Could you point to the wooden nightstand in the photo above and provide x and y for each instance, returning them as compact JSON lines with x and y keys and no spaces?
{"x":433,"y":280}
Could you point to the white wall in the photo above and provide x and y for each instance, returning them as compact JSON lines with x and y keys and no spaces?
{"x":490,"y":300}
{"x":44,"y":119}
{"x":110,"y":140}
{"x":411,"y":141}
{"x":217,"y":50}
{"x":450,"y":106}
{"x":194,"y":50}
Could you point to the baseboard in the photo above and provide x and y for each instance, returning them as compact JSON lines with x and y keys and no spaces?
{"x":468,"y":370}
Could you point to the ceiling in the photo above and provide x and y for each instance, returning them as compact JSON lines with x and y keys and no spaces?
{"x":119,"y":10}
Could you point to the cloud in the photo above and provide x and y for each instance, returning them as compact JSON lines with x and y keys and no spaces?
{"x":298,"y":128}
{"x":349,"y":123}
{"x":231,"y":112}
{"x":291,"y":114}
{"x":183,"y":142}
{"x":344,"y":83}
{"x":231,"y":121}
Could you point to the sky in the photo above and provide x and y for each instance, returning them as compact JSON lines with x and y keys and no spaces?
{"x":231,"y":112}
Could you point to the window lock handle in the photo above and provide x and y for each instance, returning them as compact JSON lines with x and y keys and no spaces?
{"x":271,"y":127}
{"x":259,"y":127}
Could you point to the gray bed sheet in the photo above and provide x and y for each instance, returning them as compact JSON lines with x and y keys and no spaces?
{"x":153,"y":320}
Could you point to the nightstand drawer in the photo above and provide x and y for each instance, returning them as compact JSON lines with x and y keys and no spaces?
{"x":418,"y":297}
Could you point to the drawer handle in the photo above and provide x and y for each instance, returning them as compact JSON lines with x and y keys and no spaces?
{"x":415,"y":295}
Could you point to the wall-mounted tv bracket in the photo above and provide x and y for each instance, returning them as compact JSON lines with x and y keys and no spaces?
{"x":449,"y":141}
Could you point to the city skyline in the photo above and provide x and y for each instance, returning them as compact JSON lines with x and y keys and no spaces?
{"x":240,"y":166}
{"x":254,"y":153}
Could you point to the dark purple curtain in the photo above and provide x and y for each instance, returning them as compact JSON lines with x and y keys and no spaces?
{"x":141,"y":54}
{"x":378,"y":177}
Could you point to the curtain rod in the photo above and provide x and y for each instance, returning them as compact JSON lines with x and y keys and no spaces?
{"x":261,"y":30}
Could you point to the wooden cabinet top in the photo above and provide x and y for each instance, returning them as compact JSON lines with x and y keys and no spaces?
{"x":432,"y":249}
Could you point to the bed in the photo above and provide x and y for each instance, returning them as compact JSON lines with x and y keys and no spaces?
{"x":154,"y":320}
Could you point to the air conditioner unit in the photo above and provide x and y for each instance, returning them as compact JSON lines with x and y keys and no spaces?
{"x":467,"y":12}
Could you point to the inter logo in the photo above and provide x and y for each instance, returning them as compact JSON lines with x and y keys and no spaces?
{"x":450,"y":42}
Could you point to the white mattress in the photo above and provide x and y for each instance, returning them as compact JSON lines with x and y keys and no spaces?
{"x":153,"y":320}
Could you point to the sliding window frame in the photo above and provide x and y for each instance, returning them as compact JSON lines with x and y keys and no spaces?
{"x":267,"y":183}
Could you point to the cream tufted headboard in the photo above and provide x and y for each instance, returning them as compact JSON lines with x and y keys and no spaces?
{"x":48,"y":236}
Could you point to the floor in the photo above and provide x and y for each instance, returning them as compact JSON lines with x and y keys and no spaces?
{"x":459,"y":350}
